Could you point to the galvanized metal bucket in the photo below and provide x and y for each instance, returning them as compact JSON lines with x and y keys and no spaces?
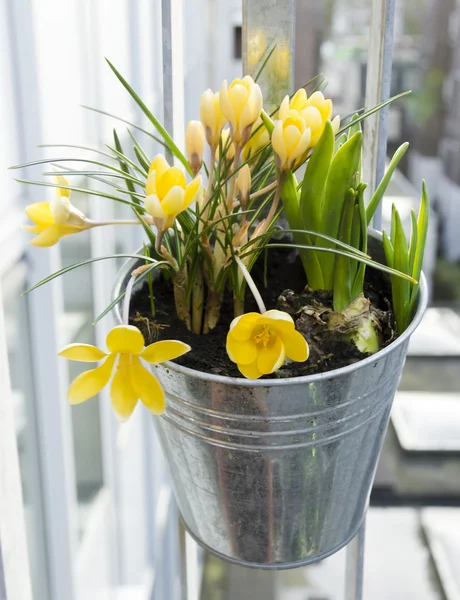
{"x":277,"y":473}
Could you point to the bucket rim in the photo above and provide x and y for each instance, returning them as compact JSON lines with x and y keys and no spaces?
{"x":422,"y":303}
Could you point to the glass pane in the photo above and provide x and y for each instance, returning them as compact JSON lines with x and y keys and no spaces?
{"x":23,"y":404}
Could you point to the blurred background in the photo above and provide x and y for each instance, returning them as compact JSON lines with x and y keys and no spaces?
{"x":100,"y":518}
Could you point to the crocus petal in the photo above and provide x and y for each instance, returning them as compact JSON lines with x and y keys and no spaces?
{"x":336,"y":124}
{"x":90,"y":383}
{"x":61,"y":180}
{"x":170,"y":178}
{"x":295,"y":346}
{"x":48,"y":237}
{"x":60,"y":209}
{"x":40,"y":213}
{"x":151,"y":185}
{"x":278,"y":141}
{"x":243,"y":353}
{"x":159,"y":164}
{"x":82,"y":352}
{"x":292,"y":137}
{"x":253,"y":108}
{"x":122,"y":394}
{"x":173,"y":202}
{"x":277,"y":318}
{"x":242,"y":327}
{"x":125,"y":339}
{"x":208,"y":115}
{"x":303,"y":145}
{"x":226,"y":105}
{"x":147,"y":387}
{"x":153,"y":207}
{"x":32,"y":228}
{"x":284,"y":108}
{"x":191,"y":191}
{"x":250,"y":371}
{"x":159,"y":352}
{"x":271,"y":358}
{"x":299,"y":100}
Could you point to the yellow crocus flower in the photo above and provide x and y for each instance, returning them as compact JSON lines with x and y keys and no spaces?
{"x":243,"y":185}
{"x":258,"y":140}
{"x":315,"y":110}
{"x":211,"y":117}
{"x":194,"y":144}
{"x":131,"y":381}
{"x":260,"y":343}
{"x":56,"y":219}
{"x":241,"y":103}
{"x":167,"y":193}
{"x":290,"y":140}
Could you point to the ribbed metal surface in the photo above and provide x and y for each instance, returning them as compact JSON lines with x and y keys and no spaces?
{"x":277,"y":473}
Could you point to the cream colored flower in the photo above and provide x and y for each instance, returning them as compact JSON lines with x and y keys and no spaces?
{"x":211,"y":117}
{"x":241,"y":103}
{"x":167,"y":193}
{"x":315,"y":110}
{"x":194,"y":144}
{"x":290,"y":140}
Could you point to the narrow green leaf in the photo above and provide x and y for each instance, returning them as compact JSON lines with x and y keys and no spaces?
{"x":401,"y":288}
{"x":267,"y":121}
{"x":314,"y":181}
{"x":264,"y":63}
{"x":373,"y":110}
{"x":79,"y":189}
{"x":367,"y":261}
{"x":342,"y":276}
{"x":124,"y":167}
{"x":413,"y":240}
{"x":86,"y":262}
{"x":355,"y":125}
{"x":151,"y":117}
{"x":388,"y":249}
{"x":422,"y":234}
{"x":340,"y":141}
{"x":358,"y":283}
{"x":310,"y":261}
{"x":381,"y":189}
{"x":342,"y":176}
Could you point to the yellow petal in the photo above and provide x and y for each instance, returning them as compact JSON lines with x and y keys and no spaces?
{"x":159,"y":164}
{"x":299,"y":100}
{"x":251,"y":111}
{"x":250,"y":371}
{"x":242,"y":327}
{"x":48,"y":237}
{"x":324,"y":106}
{"x":295,"y":346}
{"x":82,"y":352}
{"x":32,"y":228}
{"x":147,"y":387}
{"x":125,"y":339}
{"x":278,"y":320}
{"x":284,"y":109}
{"x":151,"y":185}
{"x":173,"y":202}
{"x":292,"y":137}
{"x":159,"y":352}
{"x":302,"y":146}
{"x":191,"y":191}
{"x":90,"y":383}
{"x":336,"y":124}
{"x":208,"y":115}
{"x":226,"y":105}
{"x":61,"y":192}
{"x":40,"y":213}
{"x":244,"y":352}
{"x":170,"y":178}
{"x":278,"y":141}
{"x":271,"y":358}
{"x":238,"y":97}
{"x":122,"y":394}
{"x":154,"y":208}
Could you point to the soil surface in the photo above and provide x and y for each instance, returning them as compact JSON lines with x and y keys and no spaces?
{"x":285,"y":290}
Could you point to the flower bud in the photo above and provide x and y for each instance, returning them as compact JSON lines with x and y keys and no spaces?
{"x":241,"y":103}
{"x":211,"y":117}
{"x":194,"y":144}
{"x":243,"y":184}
